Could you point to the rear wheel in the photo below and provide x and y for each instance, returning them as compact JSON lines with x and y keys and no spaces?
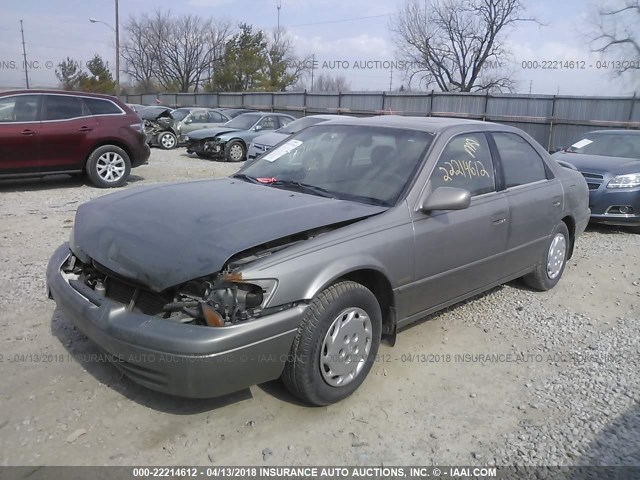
{"x":108,"y":166}
{"x":551,"y":266}
{"x":167,"y":140}
{"x":335,"y":346}
{"x":235,"y":151}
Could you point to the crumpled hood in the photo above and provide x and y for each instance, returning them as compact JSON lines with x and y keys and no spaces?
{"x":162,"y":236}
{"x":600,"y":163}
{"x":210,"y":132}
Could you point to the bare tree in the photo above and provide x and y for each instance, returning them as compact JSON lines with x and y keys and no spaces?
{"x":617,"y":32}
{"x":457,"y":45}
{"x":179,"y":53}
{"x":326,"y":83}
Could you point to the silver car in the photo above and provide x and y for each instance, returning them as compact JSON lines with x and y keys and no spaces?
{"x":299,"y":265}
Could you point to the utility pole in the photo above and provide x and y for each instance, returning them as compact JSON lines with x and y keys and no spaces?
{"x":313,"y":66}
{"x":279,"y":6}
{"x":391,"y":79}
{"x":117,"y":51}
{"x":530,"y":86}
{"x":24,"y":54}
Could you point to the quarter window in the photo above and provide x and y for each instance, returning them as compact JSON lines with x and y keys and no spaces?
{"x":21,"y":108}
{"x":521,"y":164}
{"x":465,"y":163}
{"x":101,"y":107}
{"x":61,"y":107}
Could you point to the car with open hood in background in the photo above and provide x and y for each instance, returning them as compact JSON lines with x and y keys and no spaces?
{"x":230,"y":142}
{"x":167,"y":128}
{"x":297,"y":266}
{"x":609,"y":160}
{"x":265,"y":142}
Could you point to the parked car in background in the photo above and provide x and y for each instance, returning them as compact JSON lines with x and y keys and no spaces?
{"x":136,"y":107}
{"x":48,"y":132}
{"x":302,"y":262}
{"x":234,"y":112}
{"x":167,"y":128}
{"x":230,"y":141}
{"x":264,"y":142}
{"x":609,"y":160}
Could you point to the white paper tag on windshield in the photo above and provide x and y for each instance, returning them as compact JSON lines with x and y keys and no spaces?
{"x":282,"y":150}
{"x":582,"y":143}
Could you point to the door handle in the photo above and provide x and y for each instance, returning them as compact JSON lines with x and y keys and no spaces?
{"x":556,"y":203}
{"x":85,"y":129}
{"x":498,"y":221}
{"x":28,"y":132}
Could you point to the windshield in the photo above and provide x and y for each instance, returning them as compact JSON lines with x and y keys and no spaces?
{"x":244,"y":121}
{"x":301,"y":124}
{"x":608,"y":145}
{"x":180,"y":113}
{"x":351,"y":162}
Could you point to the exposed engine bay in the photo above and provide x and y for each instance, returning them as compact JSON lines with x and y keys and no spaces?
{"x":218,"y":300}
{"x":157,"y":122}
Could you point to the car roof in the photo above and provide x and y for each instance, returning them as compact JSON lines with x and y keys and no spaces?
{"x":617,"y":132}
{"x":426,"y":124}
{"x":57,"y":92}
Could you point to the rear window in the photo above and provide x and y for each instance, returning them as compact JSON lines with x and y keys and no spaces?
{"x":101,"y":107}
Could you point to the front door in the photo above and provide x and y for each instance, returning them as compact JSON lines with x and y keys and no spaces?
{"x":459,"y":252}
{"x":19,"y":133}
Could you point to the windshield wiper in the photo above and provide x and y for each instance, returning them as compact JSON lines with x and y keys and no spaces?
{"x":302,"y":187}
{"x":245,"y":177}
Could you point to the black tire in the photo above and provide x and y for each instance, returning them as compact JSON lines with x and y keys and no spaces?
{"x":231,"y":148}
{"x":302,"y":373}
{"x":99,"y":158}
{"x":167,"y":140}
{"x":540,"y":279}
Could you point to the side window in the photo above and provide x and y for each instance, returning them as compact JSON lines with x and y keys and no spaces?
{"x":520,"y":162}
{"x":465,"y":163}
{"x":199,"y":116}
{"x":268,"y":123}
{"x":284,"y":121}
{"x":101,"y":107}
{"x":21,"y":108}
{"x":215,"y":117}
{"x":61,"y":107}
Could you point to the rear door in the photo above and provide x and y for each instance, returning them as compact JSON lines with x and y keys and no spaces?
{"x":460,"y":251}
{"x":19,"y":133}
{"x":535,"y":199}
{"x":66,"y":126}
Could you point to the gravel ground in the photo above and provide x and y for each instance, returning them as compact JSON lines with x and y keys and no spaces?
{"x":510,"y":377}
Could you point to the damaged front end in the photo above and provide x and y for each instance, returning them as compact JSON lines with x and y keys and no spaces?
{"x":220,"y":300}
{"x":156,"y":122}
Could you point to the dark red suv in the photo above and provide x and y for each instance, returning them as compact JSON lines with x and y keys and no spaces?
{"x":47,"y":132}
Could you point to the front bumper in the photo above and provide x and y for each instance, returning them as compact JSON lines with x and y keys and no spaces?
{"x":604,"y":203}
{"x":179,"y":359}
{"x":198,"y":146}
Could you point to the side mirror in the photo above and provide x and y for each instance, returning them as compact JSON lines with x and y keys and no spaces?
{"x":188,"y":120}
{"x":445,"y":198}
{"x":258,"y":128}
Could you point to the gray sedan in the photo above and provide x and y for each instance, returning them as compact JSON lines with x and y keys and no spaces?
{"x":298,"y":266}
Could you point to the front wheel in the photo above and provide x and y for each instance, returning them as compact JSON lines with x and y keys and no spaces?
{"x":551,"y":266}
{"x":108,"y":166}
{"x":335,"y":346}
{"x":167,"y":140}
{"x":235,"y":151}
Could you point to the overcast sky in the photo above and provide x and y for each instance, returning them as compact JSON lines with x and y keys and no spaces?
{"x":333,"y":30}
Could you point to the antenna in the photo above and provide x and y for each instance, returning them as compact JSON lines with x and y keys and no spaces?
{"x":24,"y":54}
{"x":391,"y":79}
